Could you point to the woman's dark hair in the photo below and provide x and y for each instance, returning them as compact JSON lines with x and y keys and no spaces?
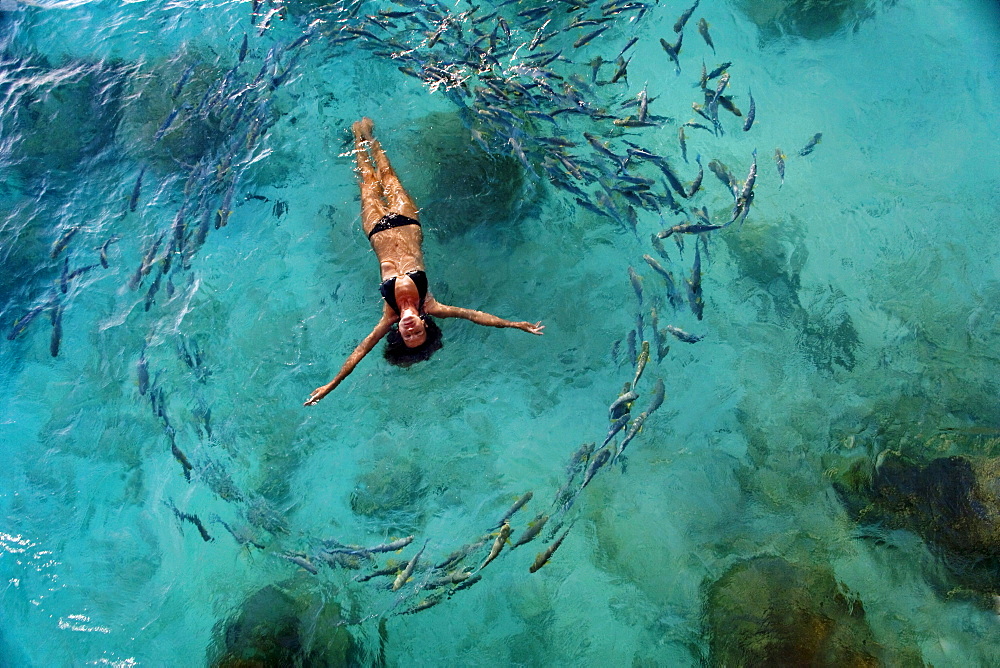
{"x":398,"y":354}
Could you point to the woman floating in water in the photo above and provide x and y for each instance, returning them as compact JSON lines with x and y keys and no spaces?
{"x":389,"y":218}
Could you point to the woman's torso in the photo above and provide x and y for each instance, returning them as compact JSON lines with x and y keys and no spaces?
{"x":399,"y":250}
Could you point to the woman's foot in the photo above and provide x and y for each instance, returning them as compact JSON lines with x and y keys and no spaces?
{"x":365,"y":127}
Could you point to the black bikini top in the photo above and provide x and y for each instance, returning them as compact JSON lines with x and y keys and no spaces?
{"x":388,"y":289}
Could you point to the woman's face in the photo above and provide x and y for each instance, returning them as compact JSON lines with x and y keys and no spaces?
{"x":411,"y":329}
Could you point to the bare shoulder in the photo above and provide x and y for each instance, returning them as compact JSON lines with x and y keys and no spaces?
{"x":436,"y":308}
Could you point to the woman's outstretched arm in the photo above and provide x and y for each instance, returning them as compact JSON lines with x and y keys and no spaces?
{"x":440,"y":310}
{"x":365,"y":347}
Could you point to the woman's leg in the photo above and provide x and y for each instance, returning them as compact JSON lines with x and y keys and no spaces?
{"x":398,"y":200}
{"x":372,"y":207}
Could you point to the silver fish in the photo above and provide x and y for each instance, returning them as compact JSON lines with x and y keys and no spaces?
{"x":498,"y":543}
{"x":751,"y":113}
{"x":405,"y":574}
{"x":683,"y":18}
{"x":514,"y":508}
{"x":681,"y":335}
{"x":599,"y":460}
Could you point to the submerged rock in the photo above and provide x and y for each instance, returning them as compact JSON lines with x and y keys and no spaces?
{"x":770,"y":612}
{"x":388,"y":489}
{"x":61,"y":123}
{"x":771,"y":257}
{"x":812,"y":19}
{"x":455,"y":182}
{"x":952,"y":502}
{"x":273,"y":628}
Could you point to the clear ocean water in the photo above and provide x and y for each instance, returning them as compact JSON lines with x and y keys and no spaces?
{"x":183,"y":262}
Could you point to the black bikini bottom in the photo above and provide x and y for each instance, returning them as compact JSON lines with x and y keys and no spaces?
{"x":391,"y":220}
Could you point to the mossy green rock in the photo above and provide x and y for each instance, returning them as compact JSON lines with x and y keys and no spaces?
{"x":389,"y":487}
{"x":812,"y":19}
{"x":274,"y":629}
{"x":952,"y":502}
{"x":455,"y":182}
{"x":770,"y":612}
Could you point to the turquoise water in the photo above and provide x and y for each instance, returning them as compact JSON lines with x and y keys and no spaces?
{"x":863,"y":289}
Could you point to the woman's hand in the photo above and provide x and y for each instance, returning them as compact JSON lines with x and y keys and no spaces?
{"x":317,"y":394}
{"x":535,"y":328}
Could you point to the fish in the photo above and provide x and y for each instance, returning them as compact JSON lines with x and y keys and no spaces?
{"x":147,"y":259}
{"x":634,"y":123}
{"x":407,"y":571}
{"x":589,"y":37}
{"x":358,"y":550}
{"x":599,"y":460}
{"x":636,"y":281}
{"x":683,"y":18}
{"x":672,"y":179}
{"x":543,"y":557}
{"x":393,"y":546}
{"x":690,"y":228}
{"x":461,"y":553}
{"x":502,"y":537}
{"x":727,"y":103}
{"x":451,"y":578}
{"x":242,"y":535}
{"x":682,"y":140}
{"x":185,"y":77}
{"x":658,"y":247}
{"x":808,"y":148}
{"x":620,"y":406}
{"x":337,"y":560}
{"x":640,"y":363}
{"x":658,"y":396}
{"x":104,"y":250}
{"x":60,"y":245}
{"x":391,"y":568}
{"x":682,"y":335}
{"x":301,"y":561}
{"x":751,"y":113}
{"x":658,"y":338}
{"x":133,"y":201}
{"x":672,"y":294}
{"x":616,"y":426}
{"x":142,"y":372}
{"x":166,"y":124}
{"x":579,"y":458}
{"x":718,"y":71}
{"x":622,"y":71}
{"x":56,"y":315}
{"x":518,"y":504}
{"x":596,"y":144}
{"x":655,"y":403}
{"x":151,"y":293}
{"x":630,"y":341}
{"x":724,"y":175}
{"x":746,"y":196}
{"x":703,"y":31}
{"x":465,"y":584}
{"x":694,"y":286}
{"x":243,"y":48}
{"x":628,"y":45}
{"x":532,"y":531}
{"x":779,"y":162}
{"x":181,"y":459}
{"x":696,"y":184}
{"x":537,"y":39}
{"x":193,"y":519}
{"x":428,"y":602}
{"x":673,"y":50}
